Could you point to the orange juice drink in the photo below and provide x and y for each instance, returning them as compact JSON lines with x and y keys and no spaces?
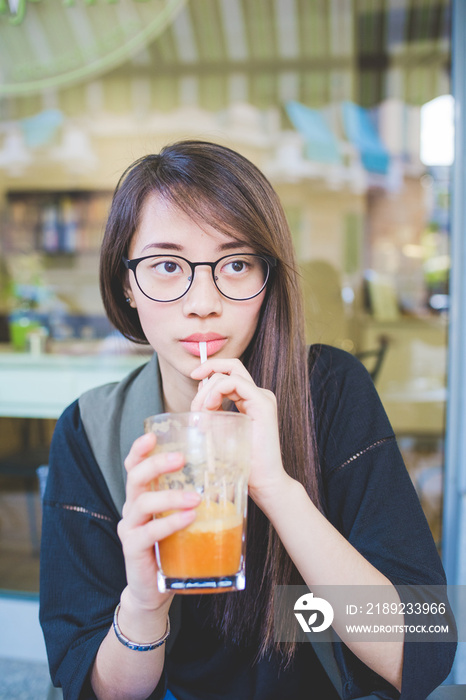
{"x":211,"y":546}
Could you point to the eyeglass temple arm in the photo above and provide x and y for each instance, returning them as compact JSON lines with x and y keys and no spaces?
{"x":129,"y":264}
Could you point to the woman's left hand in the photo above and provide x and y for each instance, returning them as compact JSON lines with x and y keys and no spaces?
{"x":229,"y":379}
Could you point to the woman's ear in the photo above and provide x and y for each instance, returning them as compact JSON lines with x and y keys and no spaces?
{"x":129,"y":298}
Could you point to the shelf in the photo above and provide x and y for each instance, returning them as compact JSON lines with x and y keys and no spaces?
{"x":55,"y":222}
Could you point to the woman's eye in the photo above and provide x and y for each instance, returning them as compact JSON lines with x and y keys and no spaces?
{"x":235,"y":266}
{"x":167,"y":267}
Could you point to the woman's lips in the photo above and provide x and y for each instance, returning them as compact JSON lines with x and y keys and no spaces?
{"x":213,"y":344}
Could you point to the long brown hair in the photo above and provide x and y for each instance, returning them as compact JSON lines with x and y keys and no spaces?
{"x":213,"y":184}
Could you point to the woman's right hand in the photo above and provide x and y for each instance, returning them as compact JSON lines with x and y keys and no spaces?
{"x":119,"y":672}
{"x":139,"y":530}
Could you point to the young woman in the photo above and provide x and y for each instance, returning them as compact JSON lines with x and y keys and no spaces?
{"x":197,"y":248}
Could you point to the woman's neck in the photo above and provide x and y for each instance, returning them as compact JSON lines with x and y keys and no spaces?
{"x":178,"y":392}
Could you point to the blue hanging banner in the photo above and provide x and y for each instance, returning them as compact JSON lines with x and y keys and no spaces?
{"x":40,"y":129}
{"x":361,"y":132}
{"x":321,"y":143}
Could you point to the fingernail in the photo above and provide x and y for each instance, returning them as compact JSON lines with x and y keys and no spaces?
{"x":187,"y":515}
{"x":173,"y":457}
{"x":145,"y":441}
{"x":208,"y":400}
{"x":191,"y":497}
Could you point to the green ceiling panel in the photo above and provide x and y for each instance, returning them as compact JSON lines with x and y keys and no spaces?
{"x":59,"y":43}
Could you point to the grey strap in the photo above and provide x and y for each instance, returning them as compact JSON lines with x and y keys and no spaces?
{"x":324,"y":652}
{"x":113,"y":417}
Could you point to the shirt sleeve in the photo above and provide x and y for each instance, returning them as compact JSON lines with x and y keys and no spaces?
{"x":369,"y":497}
{"x":82,"y":566}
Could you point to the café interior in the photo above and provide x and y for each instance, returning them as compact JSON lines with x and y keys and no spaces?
{"x":347,"y":108}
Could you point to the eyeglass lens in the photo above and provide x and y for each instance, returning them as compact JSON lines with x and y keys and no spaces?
{"x":167,"y":277}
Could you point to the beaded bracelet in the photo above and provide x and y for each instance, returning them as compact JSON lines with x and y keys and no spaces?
{"x":133,"y":645}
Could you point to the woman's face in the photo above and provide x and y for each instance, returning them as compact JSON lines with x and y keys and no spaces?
{"x":174,"y":329}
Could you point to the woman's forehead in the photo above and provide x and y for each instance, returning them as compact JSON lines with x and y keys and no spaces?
{"x":165,"y":225}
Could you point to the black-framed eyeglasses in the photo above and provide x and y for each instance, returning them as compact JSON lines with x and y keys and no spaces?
{"x":164,"y":278}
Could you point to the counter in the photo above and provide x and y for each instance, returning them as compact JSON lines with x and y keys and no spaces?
{"x":43,"y":386}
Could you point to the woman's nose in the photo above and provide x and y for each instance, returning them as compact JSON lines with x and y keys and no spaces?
{"x":203,"y":297}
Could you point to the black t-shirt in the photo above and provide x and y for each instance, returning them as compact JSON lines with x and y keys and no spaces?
{"x":202,"y":666}
{"x":368,"y":497}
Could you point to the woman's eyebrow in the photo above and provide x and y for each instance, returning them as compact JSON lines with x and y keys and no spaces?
{"x":233,"y":245}
{"x":162,"y":245}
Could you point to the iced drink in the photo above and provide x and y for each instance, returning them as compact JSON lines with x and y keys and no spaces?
{"x":208,"y":555}
{"x":211,"y":546}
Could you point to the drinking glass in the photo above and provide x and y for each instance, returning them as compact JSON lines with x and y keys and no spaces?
{"x":209,"y":555}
